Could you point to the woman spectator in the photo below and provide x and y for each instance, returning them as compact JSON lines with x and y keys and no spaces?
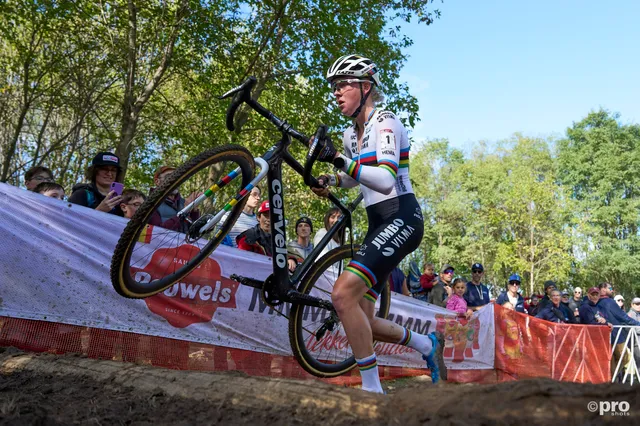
{"x":512,"y":295}
{"x":330,"y":218}
{"x":97,"y":194}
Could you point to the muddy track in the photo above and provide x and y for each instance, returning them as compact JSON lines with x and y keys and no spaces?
{"x":63,"y":390}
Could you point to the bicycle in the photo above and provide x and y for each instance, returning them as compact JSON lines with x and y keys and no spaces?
{"x":199,"y":229}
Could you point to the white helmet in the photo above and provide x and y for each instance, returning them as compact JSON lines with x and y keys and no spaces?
{"x":355,"y":66}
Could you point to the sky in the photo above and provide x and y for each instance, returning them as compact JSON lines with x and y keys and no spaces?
{"x":488,"y":69}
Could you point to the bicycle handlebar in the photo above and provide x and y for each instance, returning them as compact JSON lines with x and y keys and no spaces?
{"x":243,"y":94}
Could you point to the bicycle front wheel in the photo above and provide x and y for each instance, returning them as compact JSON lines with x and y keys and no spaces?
{"x":317,"y":338}
{"x":150,"y":258}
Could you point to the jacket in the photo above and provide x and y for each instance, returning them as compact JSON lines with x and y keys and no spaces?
{"x":87,"y":194}
{"x":588,"y":311}
{"x":438,"y":294}
{"x":257,"y":241}
{"x":504,"y":297}
{"x":166,"y":215}
{"x":457,"y":303}
{"x":553,"y":314}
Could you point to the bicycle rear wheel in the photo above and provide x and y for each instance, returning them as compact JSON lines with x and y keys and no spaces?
{"x":317,"y":338}
{"x":150,"y":258}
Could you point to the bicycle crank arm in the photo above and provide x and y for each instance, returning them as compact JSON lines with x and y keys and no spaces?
{"x":250,"y":282}
{"x":294,"y":296}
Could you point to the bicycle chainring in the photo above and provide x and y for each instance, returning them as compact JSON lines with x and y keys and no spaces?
{"x":268,"y":293}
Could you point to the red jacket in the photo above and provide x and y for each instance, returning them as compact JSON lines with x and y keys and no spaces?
{"x":427,"y":281}
{"x":257,"y":241}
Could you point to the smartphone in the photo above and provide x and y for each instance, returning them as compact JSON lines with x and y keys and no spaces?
{"x":117,"y":187}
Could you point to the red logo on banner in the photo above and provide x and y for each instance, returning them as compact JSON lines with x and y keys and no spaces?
{"x":194,"y":298}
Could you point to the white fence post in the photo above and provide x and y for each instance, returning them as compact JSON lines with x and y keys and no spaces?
{"x":630,"y":344}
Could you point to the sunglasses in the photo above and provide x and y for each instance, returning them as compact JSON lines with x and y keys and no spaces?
{"x":448,"y":271}
{"x":514,"y":283}
{"x":340,"y":85}
{"x":476,"y":271}
{"x":636,"y":303}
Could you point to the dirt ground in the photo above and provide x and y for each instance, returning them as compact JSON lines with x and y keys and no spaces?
{"x":63,"y":390}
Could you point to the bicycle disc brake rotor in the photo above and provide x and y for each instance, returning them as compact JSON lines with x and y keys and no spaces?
{"x":193,"y":234}
{"x":268,"y":293}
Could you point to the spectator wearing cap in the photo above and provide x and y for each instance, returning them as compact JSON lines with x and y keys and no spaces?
{"x":36,"y":175}
{"x":634,"y":312}
{"x":477,"y":294}
{"x":439,"y":291}
{"x":619,"y":301}
{"x":554,"y":311}
{"x":564,"y":305}
{"x":575,"y":302}
{"x":549,"y":286}
{"x":132,"y":199}
{"x":166,"y":214}
{"x":511,"y":294}
{"x":302,"y":245}
{"x":258,"y":238}
{"x":534,"y":305}
{"x":247,"y":218}
{"x":105,"y":169}
{"x":50,"y":189}
{"x":590,"y":312}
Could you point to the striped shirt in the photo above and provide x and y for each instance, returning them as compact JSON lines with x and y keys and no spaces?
{"x":243,"y":223}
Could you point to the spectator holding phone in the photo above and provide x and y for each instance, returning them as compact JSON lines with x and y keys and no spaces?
{"x":100,"y":193}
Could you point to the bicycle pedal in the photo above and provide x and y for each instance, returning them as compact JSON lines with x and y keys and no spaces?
{"x":250,"y":282}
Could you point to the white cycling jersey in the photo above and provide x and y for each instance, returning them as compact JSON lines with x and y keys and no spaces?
{"x":381,"y":164}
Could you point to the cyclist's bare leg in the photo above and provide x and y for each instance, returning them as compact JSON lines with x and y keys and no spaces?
{"x":383,"y":330}
{"x":347,"y":293}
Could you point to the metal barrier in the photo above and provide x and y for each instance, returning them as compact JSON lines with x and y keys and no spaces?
{"x":626,"y":346}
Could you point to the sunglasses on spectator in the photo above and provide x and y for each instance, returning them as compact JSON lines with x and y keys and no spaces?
{"x":476,"y":271}
{"x":449,"y":271}
{"x":636,"y":303}
{"x":577,"y":292}
{"x":514,"y":283}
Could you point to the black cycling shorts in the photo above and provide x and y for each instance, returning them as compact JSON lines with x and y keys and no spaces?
{"x":395,"y":230}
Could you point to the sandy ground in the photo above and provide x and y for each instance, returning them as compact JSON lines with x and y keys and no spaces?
{"x":63,"y":390}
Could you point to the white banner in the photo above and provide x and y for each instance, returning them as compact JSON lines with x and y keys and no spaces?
{"x":55,"y":267}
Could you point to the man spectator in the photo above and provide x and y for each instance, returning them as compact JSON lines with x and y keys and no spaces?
{"x":258,"y":238}
{"x":247,"y":218}
{"x":398,"y":282}
{"x":549,"y":286}
{"x":36,"y":175}
{"x":50,"y":189}
{"x":564,"y":305}
{"x":554,"y":312}
{"x":534,"y":306}
{"x":619,"y":301}
{"x":617,"y":317}
{"x":511,"y":294}
{"x":634,"y":312}
{"x":590,"y":312}
{"x":132,"y":199}
{"x":575,"y":302}
{"x":302,"y":245}
{"x":477,"y":294}
{"x":97,"y":194}
{"x":439,"y":291}
{"x":166,"y":214}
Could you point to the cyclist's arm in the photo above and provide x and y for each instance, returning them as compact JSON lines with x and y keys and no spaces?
{"x":380,"y":178}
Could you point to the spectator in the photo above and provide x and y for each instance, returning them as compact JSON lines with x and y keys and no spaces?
{"x":413,"y":282}
{"x":132,"y":199}
{"x":508,"y":305}
{"x":575,"y":302}
{"x":398,"y":282}
{"x":330,"y":218}
{"x":302,"y":245}
{"x":50,"y":189}
{"x":619,"y":301}
{"x":564,"y":305}
{"x":553,"y":310}
{"x":36,"y":175}
{"x":477,"y":294}
{"x":534,"y":307}
{"x":247,"y":218}
{"x":166,"y":214}
{"x":439,"y":291}
{"x":634,"y":312}
{"x":258,"y":238}
{"x":512,"y":295}
{"x":97,"y":194}
{"x":590,"y":312}
{"x":455,"y":301}
{"x":549,"y":286}
{"x":427,"y":280}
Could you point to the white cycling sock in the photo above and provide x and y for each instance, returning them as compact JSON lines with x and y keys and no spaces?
{"x":369,"y":372}
{"x":420,"y":342}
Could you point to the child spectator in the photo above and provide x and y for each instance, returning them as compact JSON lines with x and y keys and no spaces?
{"x":97,"y":194}
{"x":132,"y":199}
{"x":427,"y":280}
{"x":36,"y":175}
{"x":50,"y":189}
{"x":455,"y":301}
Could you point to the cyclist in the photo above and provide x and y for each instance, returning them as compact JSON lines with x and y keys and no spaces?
{"x":376,"y":157}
